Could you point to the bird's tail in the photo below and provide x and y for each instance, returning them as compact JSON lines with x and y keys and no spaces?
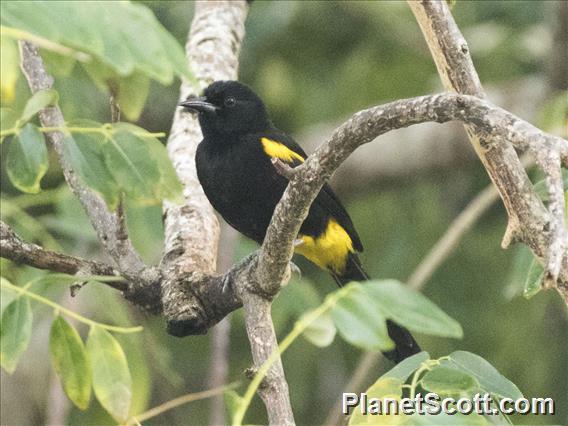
{"x":405,"y":345}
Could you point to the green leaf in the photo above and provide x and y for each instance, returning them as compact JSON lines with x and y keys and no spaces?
{"x":15,"y":332}
{"x":26,"y":161}
{"x":444,"y":380}
{"x":389,"y":387}
{"x":167,"y":184}
{"x":9,"y":69}
{"x":404,"y":369}
{"x":321,"y":331}
{"x":125,"y":36}
{"x":39,"y":101}
{"x":359,"y":322}
{"x":132,"y":166}
{"x":488,"y":377}
{"x":111,"y":377}
{"x":132,"y":94}
{"x":534,"y":279}
{"x":85,"y":152}
{"x":411,"y":309}
{"x":70,"y":361}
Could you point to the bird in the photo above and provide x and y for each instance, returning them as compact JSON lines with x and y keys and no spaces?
{"x":235,"y":168}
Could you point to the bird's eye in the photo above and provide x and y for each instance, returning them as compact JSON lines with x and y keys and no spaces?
{"x":230,"y":102}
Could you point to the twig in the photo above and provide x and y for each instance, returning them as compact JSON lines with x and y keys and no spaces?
{"x":122,"y":231}
{"x":543,"y":230}
{"x":449,"y":241}
{"x":14,"y":248}
{"x":282,"y":168}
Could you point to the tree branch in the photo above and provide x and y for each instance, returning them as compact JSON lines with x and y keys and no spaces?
{"x":14,"y":248}
{"x":106,"y":223}
{"x":192,"y":230}
{"x":542,"y":229}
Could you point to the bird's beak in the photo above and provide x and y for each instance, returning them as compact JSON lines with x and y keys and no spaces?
{"x":198,"y":104}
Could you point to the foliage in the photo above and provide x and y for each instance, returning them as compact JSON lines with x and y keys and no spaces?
{"x":360,"y":316}
{"x":120,"y":44}
{"x":459,"y":375}
{"x":368,"y":52}
{"x":101,"y":364}
{"x":110,"y":158}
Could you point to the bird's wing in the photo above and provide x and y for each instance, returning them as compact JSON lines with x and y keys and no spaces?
{"x":282,"y":146}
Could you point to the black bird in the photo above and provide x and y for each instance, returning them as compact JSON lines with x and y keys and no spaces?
{"x":235,"y":170}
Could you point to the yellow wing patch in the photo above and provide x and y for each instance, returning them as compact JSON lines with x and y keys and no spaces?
{"x":330,"y":249}
{"x":277,"y":150}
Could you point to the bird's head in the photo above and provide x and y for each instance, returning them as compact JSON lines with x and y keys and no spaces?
{"x":228,"y":108}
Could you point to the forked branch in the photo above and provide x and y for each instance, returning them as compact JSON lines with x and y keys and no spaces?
{"x":542,"y":229}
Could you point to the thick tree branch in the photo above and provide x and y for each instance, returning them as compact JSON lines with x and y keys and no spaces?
{"x":106,"y":223}
{"x":192,"y":230}
{"x":542,"y":229}
{"x":205,"y":299}
{"x":14,"y":248}
{"x":363,"y":127}
{"x":270,"y":269}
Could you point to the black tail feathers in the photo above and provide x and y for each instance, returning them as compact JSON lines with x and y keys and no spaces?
{"x":405,"y":345}
{"x":353,"y":271}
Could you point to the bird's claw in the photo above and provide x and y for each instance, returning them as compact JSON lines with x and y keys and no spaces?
{"x":295,"y":270}
{"x":227,"y":284}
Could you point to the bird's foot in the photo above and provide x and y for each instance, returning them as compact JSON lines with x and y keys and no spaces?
{"x":298,"y":242}
{"x":295,"y":270}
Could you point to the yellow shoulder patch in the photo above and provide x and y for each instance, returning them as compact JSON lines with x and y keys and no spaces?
{"x":277,"y":150}
{"x":329,"y":250}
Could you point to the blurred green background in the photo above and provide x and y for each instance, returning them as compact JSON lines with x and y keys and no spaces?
{"x":315,"y":63}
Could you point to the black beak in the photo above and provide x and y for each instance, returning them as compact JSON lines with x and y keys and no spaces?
{"x":198,"y":104}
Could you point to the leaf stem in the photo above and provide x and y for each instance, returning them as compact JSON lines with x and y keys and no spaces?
{"x":24,"y":292}
{"x":176,"y":402}
{"x":107,"y":131}
{"x":415,"y":378}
